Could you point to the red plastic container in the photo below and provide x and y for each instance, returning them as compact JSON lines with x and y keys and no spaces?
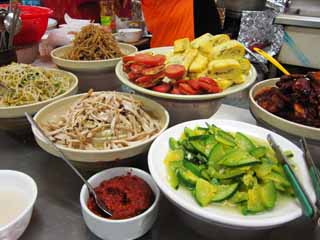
{"x":34,"y":24}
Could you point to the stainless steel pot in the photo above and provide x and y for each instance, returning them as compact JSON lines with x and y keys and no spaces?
{"x":242,"y":5}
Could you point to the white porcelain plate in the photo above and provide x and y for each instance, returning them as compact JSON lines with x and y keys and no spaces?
{"x":284,"y":211}
{"x":250,"y":79}
{"x":88,"y":66}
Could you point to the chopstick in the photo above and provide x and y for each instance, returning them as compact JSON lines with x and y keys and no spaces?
{"x":314,"y":173}
{"x":307,"y":206}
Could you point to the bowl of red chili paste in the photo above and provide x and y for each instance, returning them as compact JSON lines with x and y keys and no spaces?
{"x":130,"y":194}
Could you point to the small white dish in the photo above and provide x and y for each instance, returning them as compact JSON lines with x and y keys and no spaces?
{"x":284,"y":211}
{"x":22,"y":185}
{"x":129,"y":35}
{"x":126,"y":229}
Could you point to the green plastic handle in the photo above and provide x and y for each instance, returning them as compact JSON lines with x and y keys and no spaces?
{"x":304,"y":201}
{"x":316,"y":185}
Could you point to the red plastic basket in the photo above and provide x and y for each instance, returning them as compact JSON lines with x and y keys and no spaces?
{"x":34,"y":24}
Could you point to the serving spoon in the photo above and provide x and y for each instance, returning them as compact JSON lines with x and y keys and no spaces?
{"x":98,"y":201}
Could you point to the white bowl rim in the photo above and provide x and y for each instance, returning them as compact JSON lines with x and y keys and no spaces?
{"x":32,"y":202}
{"x":125,"y":169}
{"x":75,"y":85}
{"x":262,"y":223}
{"x":54,"y":52}
{"x":129,"y":30}
{"x":72,"y":150}
{"x":271,"y":80}
{"x":202,"y":97}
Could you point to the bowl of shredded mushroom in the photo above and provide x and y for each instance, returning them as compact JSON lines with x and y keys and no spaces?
{"x":27,"y":88}
{"x":101,"y":126}
{"x":93,"y":49}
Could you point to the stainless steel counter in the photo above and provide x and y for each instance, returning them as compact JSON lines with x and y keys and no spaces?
{"x":57,"y":212}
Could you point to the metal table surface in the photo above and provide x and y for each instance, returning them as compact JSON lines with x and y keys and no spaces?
{"x":57,"y":213}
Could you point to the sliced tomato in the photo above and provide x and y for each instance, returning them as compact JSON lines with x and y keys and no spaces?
{"x":175,"y":90}
{"x":175,"y":71}
{"x":194,"y":83}
{"x":150,"y":60}
{"x":136,"y":68}
{"x":209,"y":88}
{"x":126,"y":67}
{"x":132,"y":76}
{"x":208,"y":80}
{"x":127,"y":59}
{"x":163,"y":88}
{"x":144,"y":79}
{"x":182,"y":81}
{"x":150,"y":80}
{"x":153,"y":70}
{"x":184,"y":88}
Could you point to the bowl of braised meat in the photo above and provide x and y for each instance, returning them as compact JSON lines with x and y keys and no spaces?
{"x":290,"y":104}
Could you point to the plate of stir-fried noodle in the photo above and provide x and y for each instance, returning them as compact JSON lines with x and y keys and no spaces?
{"x":27,"y":88}
{"x":101,"y":126}
{"x":93,"y":49}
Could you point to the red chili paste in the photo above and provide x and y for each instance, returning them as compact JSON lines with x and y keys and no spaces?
{"x":125,"y":196}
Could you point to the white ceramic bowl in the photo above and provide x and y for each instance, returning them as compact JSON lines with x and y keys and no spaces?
{"x":283,"y":212}
{"x":96,"y":156}
{"x":12,"y":117}
{"x":129,"y":35}
{"x":185,"y":107}
{"x":17,"y":180}
{"x":272,"y":120}
{"x":88,"y":66}
{"x":125,"y":229}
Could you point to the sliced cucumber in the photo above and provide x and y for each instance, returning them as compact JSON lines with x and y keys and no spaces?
{"x":288,"y":154}
{"x":262,"y":170}
{"x":204,"y":192}
{"x":255,"y":204}
{"x":277,"y":178}
{"x":216,"y":154}
{"x":172,"y":168}
{"x":229,"y":173}
{"x":174,"y":144}
{"x":187,"y":178}
{"x":195,"y":169}
{"x":188,"y":132}
{"x":238,"y":158}
{"x":243,"y":142}
{"x":259,"y":152}
{"x":239,"y":197}
{"x":198,"y":147}
{"x":268,"y":194}
{"x":224,"y":192}
{"x":226,"y":141}
{"x":174,"y":155}
{"x":203,"y":144}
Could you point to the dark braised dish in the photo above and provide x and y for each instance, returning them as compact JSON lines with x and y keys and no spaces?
{"x":296,"y":98}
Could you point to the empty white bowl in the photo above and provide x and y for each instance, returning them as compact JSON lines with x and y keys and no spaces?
{"x":129,"y":35}
{"x":24,"y":186}
{"x":124,"y":229}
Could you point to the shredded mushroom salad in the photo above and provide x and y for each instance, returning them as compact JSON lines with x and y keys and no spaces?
{"x":22,"y":84}
{"x":103,"y":121}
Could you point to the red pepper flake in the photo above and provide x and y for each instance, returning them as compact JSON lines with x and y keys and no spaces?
{"x":125,"y":196}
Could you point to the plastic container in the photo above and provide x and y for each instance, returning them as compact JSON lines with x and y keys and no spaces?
{"x":34,"y":24}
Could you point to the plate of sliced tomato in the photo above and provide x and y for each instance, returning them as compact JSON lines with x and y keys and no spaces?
{"x":146,"y":72}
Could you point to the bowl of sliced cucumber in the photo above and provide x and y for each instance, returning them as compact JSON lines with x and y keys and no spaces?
{"x":224,"y":172}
